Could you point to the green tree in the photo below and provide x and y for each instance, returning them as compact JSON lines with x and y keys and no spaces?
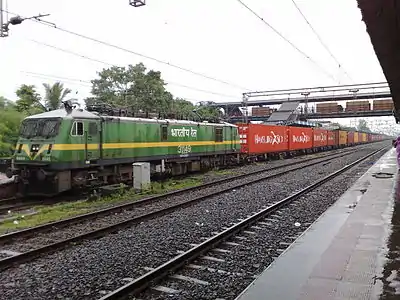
{"x":182,"y":109}
{"x":54,"y":95}
{"x":131,"y":87}
{"x":363,"y":126}
{"x":29,"y":100}
{"x":208,"y":112}
{"x":5,"y":103}
{"x":10,"y":120}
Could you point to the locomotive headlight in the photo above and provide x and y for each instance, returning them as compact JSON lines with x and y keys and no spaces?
{"x":35,"y":147}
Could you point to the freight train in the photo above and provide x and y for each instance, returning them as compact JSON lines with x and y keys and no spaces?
{"x":259,"y":140}
{"x":73,"y":149}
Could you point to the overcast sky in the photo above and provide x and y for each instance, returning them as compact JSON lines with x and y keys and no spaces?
{"x":218,"y":38}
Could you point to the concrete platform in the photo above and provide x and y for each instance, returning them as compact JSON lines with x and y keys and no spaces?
{"x":342,"y":254}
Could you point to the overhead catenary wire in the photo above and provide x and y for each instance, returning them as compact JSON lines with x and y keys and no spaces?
{"x":111,"y":65}
{"x":81,"y":82}
{"x":289,"y":42}
{"x":321,"y":41}
{"x":134,"y":53}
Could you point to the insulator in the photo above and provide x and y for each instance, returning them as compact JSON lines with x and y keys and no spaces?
{"x":16,"y":20}
{"x":137,"y":3}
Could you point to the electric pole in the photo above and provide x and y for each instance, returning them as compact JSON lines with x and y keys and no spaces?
{"x":306,"y":94}
{"x":1,"y":19}
{"x":16,"y":20}
{"x":245,"y":108}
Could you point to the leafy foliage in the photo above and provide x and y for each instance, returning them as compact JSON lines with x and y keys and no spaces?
{"x":363,"y":126}
{"x":5,"y":103}
{"x":12,"y":114}
{"x":132,"y":88}
{"x":10,"y":120}
{"x":140,"y":90}
{"x":54,"y":94}
{"x":29,"y":100}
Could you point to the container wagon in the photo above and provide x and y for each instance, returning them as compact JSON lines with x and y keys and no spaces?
{"x":355,"y":138}
{"x":333,"y":138}
{"x":362,"y":105}
{"x":383,"y":105}
{"x":320,"y":138}
{"x":263,"y":139}
{"x":300,"y":138}
{"x":342,"y":138}
{"x":350,"y":138}
{"x":363,"y":137}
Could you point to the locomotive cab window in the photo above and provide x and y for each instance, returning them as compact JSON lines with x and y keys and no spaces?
{"x":219,"y":135}
{"x":164,"y":133}
{"x":77,"y":129}
{"x":92,"y":128}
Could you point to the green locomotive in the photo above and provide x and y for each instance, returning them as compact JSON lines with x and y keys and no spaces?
{"x":70,"y":148}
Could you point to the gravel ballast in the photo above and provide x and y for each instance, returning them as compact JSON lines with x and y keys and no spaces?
{"x":252,"y":256}
{"x":95,"y":267}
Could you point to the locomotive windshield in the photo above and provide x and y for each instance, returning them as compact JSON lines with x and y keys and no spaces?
{"x":39,"y":128}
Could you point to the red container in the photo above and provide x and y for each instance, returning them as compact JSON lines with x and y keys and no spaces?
{"x":350,"y":137}
{"x":258,"y":138}
{"x":300,"y":138}
{"x":332,"y":137}
{"x":369,"y":137}
{"x":360,"y":137}
{"x":373,"y":137}
{"x":320,"y":138}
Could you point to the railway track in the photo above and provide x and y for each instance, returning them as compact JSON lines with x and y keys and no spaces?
{"x":30,"y":243}
{"x":8,"y":202}
{"x":15,"y":205}
{"x":207,"y":265}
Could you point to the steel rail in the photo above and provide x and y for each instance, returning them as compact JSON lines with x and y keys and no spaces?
{"x":30,"y":255}
{"x":144,"y":281}
{"x":17,"y":206}
{"x":92,"y":215}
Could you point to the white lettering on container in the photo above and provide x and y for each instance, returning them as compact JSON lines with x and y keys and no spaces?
{"x":269,"y":139}
{"x":320,"y":137}
{"x":303,"y":138}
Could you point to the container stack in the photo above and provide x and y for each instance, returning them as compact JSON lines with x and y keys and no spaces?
{"x":261,"y":111}
{"x":328,"y":108}
{"x":383,"y":105}
{"x":361,"y":105}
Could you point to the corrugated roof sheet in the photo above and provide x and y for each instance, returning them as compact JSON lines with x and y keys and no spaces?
{"x":381,"y":19}
{"x":289,"y":106}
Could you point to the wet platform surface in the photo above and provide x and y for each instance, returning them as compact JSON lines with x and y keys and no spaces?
{"x":343,"y":254}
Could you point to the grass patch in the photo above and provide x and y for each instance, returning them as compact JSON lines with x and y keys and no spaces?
{"x":56,"y":212}
{"x":223,"y":172}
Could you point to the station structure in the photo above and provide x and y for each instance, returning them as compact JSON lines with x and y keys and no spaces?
{"x":295,"y":103}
